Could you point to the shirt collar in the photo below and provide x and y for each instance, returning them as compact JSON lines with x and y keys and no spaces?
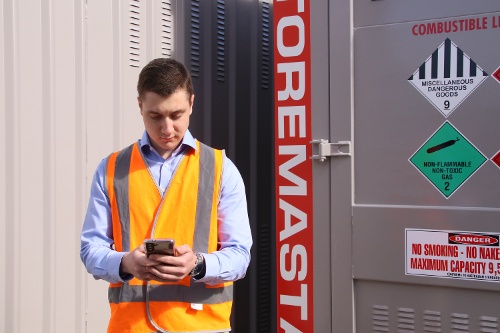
{"x":187,"y":141}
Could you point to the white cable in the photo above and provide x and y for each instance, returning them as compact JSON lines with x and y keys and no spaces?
{"x":149,"y":312}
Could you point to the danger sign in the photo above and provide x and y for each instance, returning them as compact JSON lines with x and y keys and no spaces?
{"x":453,"y":254}
{"x":447,"y":77}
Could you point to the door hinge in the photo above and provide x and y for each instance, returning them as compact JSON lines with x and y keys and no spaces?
{"x":330,"y":149}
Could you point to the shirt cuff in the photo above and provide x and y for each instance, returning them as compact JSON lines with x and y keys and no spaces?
{"x":114,"y":263}
{"x":211,"y":268}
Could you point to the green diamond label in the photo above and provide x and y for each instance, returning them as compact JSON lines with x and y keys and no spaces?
{"x":447,"y":159}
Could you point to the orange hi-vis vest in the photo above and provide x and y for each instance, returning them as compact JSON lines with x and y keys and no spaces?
{"x":186,"y":212}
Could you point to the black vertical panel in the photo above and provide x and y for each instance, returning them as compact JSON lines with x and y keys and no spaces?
{"x":246,"y":291}
{"x":229,"y":52}
{"x":265,"y":173}
{"x":194,"y":57}
{"x":254,"y":124}
{"x":218,"y":67}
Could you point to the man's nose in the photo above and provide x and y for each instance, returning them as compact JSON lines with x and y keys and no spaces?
{"x":167,"y":125}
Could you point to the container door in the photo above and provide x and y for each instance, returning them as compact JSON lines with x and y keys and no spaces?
{"x":426,"y":211}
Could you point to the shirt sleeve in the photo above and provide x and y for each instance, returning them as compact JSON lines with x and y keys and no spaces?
{"x":231,"y":261}
{"x":96,"y":251}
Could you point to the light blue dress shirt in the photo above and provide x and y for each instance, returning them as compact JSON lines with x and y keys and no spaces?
{"x":229,"y":263}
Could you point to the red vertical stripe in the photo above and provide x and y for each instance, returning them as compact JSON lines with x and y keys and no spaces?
{"x":293,"y":167}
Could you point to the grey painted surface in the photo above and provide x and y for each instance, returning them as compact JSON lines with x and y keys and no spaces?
{"x":331,"y":72}
{"x":391,"y":122}
{"x":382,"y":12}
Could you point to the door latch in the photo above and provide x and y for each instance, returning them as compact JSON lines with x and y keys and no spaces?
{"x":330,"y":149}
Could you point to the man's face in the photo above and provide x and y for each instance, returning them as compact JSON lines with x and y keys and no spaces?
{"x":166,"y":119}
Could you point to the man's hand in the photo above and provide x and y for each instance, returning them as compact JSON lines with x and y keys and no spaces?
{"x":138,"y":264}
{"x":173,"y":268}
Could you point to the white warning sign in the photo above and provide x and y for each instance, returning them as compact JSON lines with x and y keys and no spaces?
{"x":447,"y":77}
{"x":453,"y":254}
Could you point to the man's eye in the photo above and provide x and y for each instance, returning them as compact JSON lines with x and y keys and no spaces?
{"x":155,"y":117}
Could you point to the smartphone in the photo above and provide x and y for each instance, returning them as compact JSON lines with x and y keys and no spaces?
{"x":160,"y":246}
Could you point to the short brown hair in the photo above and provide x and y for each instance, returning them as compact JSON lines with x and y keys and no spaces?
{"x":164,"y":76}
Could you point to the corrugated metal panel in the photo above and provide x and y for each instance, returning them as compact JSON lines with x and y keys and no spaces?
{"x":43,"y":167}
{"x":5,"y":41}
{"x":68,"y":72}
{"x":112,"y":114}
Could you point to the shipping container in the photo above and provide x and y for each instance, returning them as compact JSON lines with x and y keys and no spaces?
{"x":387,"y":165}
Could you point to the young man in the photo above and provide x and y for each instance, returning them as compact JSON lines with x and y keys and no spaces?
{"x":167,"y":185}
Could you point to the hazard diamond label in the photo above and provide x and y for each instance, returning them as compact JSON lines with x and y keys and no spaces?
{"x":447,"y":77}
{"x":447,"y":159}
{"x":496,"y":159}
{"x":496,"y":75}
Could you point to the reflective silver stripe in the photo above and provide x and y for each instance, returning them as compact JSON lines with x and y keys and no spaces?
{"x":195,"y":293}
{"x":120,"y":183}
{"x":205,"y":198}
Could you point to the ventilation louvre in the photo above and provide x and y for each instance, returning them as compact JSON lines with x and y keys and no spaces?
{"x":380,"y":318}
{"x":195,"y":38}
{"x":459,"y":322}
{"x":265,"y":49}
{"x":406,"y":320}
{"x":166,"y":29}
{"x":221,"y":40}
{"x":488,"y":324}
{"x":134,"y":33}
{"x":432,"y":321}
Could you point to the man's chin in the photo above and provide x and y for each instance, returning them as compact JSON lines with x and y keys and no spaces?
{"x":169,"y":145}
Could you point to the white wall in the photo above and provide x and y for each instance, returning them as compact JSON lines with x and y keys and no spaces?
{"x":67,"y":94}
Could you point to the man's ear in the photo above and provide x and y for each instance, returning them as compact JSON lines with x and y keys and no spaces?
{"x":191,"y":103}
{"x":139,"y":102}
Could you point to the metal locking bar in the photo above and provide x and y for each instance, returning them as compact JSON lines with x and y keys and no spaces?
{"x":330,"y":149}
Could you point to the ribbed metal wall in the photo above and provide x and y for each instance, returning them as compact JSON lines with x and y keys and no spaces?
{"x":43,"y":166}
{"x":68,"y":71}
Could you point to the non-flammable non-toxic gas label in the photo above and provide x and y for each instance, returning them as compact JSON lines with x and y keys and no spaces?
{"x":447,"y":77}
{"x":447,"y":159}
{"x":453,"y":254}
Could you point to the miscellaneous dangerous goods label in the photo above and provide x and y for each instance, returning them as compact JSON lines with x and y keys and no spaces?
{"x":453,"y":254}
{"x":447,"y":159}
{"x":447,"y":77}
